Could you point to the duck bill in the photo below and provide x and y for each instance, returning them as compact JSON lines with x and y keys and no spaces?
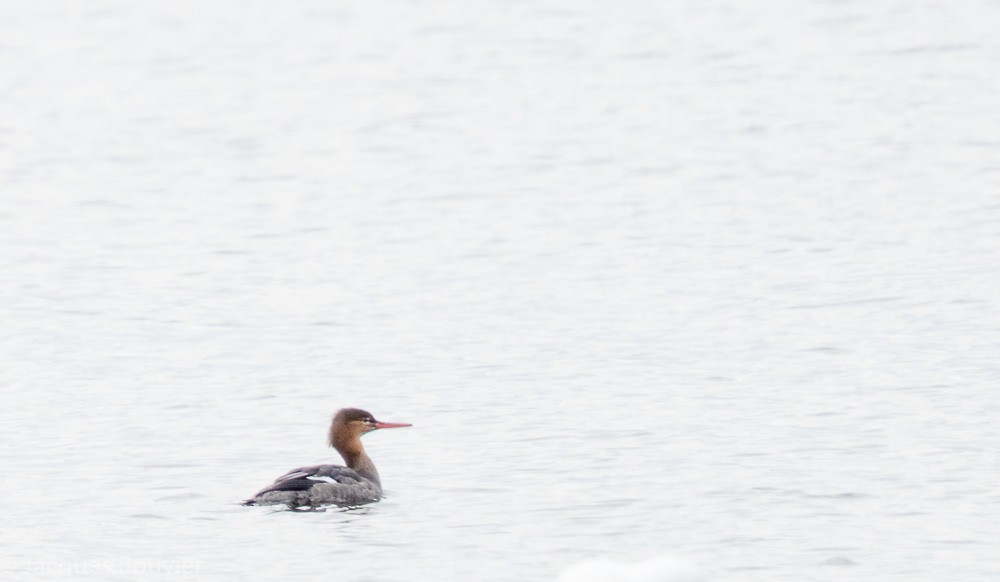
{"x":380,"y":424}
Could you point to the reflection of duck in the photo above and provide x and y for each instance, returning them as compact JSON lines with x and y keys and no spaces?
{"x":355,"y":484}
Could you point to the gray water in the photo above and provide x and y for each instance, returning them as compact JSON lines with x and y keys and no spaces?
{"x":712,"y":280}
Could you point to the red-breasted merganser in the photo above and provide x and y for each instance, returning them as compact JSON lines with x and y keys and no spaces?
{"x":355,"y":484}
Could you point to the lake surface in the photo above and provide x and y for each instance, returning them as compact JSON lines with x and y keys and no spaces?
{"x":711,"y":280}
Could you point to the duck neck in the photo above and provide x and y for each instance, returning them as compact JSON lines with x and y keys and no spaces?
{"x":362,"y":463}
{"x":354,"y":455}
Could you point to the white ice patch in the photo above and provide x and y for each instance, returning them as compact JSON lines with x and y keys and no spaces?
{"x":323,"y":478}
{"x":661,"y":569}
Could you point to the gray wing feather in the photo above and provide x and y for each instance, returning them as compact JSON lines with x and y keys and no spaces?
{"x":304,"y":478}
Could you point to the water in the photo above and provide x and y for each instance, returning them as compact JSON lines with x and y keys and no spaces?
{"x":706,"y":280}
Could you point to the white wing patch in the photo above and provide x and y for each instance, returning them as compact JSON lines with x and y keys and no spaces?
{"x":323,"y":478}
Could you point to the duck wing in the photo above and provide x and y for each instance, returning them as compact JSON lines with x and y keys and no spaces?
{"x":316,"y":485}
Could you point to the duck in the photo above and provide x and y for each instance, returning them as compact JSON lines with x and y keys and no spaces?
{"x":355,"y":484}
